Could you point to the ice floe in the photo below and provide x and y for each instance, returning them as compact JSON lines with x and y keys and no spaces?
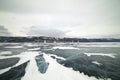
{"x":60,"y":47}
{"x":101,"y":54}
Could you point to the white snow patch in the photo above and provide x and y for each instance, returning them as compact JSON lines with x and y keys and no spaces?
{"x":34,"y":49}
{"x":32,"y":69}
{"x":5,"y":52}
{"x":31,"y":44}
{"x":101,"y":54}
{"x":95,"y":62}
{"x":4,"y":70}
{"x":60,"y":47}
{"x":14,"y":47}
{"x":25,"y":56}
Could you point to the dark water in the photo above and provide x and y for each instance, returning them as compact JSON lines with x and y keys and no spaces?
{"x":88,"y":58}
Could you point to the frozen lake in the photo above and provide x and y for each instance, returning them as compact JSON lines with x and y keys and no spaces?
{"x":60,"y":61}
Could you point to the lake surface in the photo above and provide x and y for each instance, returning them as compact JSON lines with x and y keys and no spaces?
{"x":60,"y":61}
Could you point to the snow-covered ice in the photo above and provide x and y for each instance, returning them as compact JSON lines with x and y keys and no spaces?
{"x":14,"y":47}
{"x":5,"y":52}
{"x":101,"y":54}
{"x":32,"y":49}
{"x":55,"y":71}
{"x":61,"y":47}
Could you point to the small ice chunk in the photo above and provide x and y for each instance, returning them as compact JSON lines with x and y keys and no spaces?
{"x":95,"y":62}
{"x":60,"y":47}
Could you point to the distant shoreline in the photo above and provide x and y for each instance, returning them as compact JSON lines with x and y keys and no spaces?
{"x":43,"y":39}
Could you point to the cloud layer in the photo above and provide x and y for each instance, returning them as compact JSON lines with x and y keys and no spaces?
{"x":61,"y":18}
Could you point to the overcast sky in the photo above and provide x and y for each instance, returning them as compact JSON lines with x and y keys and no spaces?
{"x":61,"y":18}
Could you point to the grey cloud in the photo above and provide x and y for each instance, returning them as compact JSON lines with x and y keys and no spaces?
{"x":38,"y":31}
{"x":4,"y":31}
{"x":101,"y":10}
